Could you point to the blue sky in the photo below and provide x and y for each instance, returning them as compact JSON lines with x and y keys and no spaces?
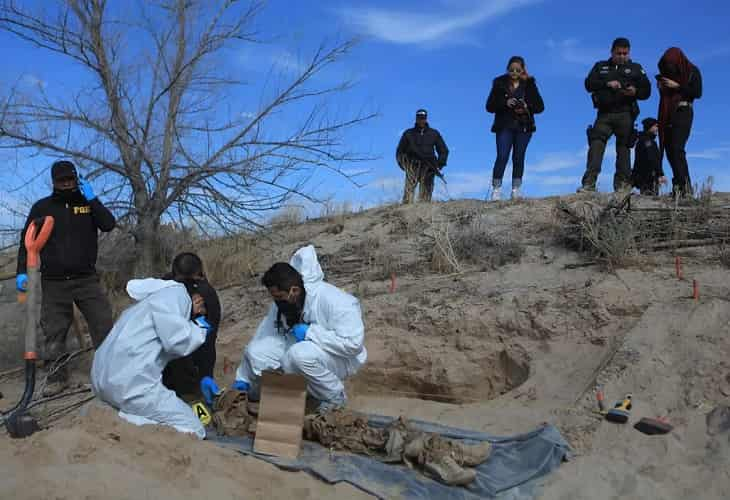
{"x":443,"y":55}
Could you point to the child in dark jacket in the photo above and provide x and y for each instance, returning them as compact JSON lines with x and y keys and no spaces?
{"x":648,"y":174}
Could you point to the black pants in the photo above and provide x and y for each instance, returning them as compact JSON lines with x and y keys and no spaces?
{"x":58,"y":299}
{"x":675,"y":139}
{"x":606,"y":125}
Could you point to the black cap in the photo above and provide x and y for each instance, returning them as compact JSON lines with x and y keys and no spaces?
{"x":648,"y":123}
{"x":63,"y":169}
{"x":421,"y":113}
{"x":621,"y":42}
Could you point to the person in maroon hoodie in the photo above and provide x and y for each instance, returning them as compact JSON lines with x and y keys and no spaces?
{"x":680,"y":83}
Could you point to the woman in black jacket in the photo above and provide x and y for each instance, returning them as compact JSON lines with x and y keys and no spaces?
{"x":515,"y":101}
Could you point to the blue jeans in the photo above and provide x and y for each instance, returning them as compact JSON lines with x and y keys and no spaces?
{"x":515,"y":141}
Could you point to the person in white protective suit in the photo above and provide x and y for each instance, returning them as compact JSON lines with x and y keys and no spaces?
{"x":127,"y":367}
{"x":313,"y":329}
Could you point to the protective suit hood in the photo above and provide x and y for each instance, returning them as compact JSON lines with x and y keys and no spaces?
{"x":305,"y":261}
{"x":142,"y":288}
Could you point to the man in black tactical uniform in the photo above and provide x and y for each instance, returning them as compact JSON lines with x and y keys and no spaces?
{"x":68,"y":265}
{"x":415,"y":155}
{"x":615,"y":86}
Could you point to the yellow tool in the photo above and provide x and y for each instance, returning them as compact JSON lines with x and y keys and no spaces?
{"x":620,"y":412}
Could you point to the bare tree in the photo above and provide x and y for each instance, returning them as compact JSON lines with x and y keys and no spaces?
{"x":153,"y":123}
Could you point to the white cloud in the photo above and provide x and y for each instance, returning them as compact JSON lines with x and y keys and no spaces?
{"x":33,"y":81}
{"x":551,"y":162}
{"x":387,"y":183}
{"x":463,"y":183}
{"x":263,"y":58}
{"x":286,"y":61}
{"x":572,"y":51}
{"x":413,"y":27}
{"x":717,"y":52}
{"x":558,"y":180}
{"x":710,"y":153}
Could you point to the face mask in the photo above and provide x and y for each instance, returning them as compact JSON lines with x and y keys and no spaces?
{"x":65,"y":194}
{"x":291,"y":312}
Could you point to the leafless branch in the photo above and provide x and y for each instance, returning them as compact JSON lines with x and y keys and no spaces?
{"x":155,"y":127}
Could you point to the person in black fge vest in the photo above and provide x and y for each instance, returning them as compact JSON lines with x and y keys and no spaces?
{"x":68,"y":265}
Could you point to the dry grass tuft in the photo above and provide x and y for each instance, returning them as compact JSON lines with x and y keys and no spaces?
{"x":228,"y":260}
{"x":470,"y":242}
{"x":289,"y":215}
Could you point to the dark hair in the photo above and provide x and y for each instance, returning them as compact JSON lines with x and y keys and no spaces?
{"x":516,"y":59}
{"x":621,"y":42}
{"x":282,"y":276}
{"x":186,"y":265}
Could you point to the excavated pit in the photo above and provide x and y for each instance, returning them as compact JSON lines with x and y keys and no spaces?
{"x":445,"y":375}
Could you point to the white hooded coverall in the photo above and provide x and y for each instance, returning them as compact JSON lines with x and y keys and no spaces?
{"x":127,"y":368}
{"x":333,"y":348}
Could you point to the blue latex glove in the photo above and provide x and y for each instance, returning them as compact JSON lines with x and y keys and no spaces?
{"x":21,"y":282}
{"x":241,"y":385}
{"x":203,"y":323}
{"x":86,"y":189}
{"x":300,"y":331}
{"x":209,"y":388}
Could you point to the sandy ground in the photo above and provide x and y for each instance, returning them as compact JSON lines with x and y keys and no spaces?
{"x":493,"y":348}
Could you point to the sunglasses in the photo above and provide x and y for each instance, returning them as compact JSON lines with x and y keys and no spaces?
{"x":516,"y":70}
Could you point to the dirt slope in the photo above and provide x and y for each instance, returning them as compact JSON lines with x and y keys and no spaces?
{"x":499,"y":330}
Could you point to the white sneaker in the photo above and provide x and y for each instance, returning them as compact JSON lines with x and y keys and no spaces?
{"x":516,"y":194}
{"x":496,"y":194}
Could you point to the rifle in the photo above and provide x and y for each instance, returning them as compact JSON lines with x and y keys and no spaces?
{"x":418,"y":162}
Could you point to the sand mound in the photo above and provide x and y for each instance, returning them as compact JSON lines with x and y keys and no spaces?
{"x":498,"y":346}
{"x":100,"y":456}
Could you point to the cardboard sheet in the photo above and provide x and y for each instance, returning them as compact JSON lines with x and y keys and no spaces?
{"x":281,"y":415}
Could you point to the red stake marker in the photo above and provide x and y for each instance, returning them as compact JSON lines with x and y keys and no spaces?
{"x":695,"y":290}
{"x":392,"y":282}
{"x":678,"y":266}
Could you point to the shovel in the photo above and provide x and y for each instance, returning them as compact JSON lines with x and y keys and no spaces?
{"x":18,"y":421}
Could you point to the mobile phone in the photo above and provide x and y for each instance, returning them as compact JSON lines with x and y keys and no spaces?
{"x":658,"y":77}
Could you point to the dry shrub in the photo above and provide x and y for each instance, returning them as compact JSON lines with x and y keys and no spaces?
{"x":723,"y":254}
{"x":606,"y":233}
{"x":289,"y":215}
{"x":336,"y":211}
{"x":470,"y":242}
{"x":227,"y":260}
{"x":443,"y":257}
{"x":376,"y":262}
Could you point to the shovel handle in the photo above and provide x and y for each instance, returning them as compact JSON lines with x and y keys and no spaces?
{"x":36,"y":236}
